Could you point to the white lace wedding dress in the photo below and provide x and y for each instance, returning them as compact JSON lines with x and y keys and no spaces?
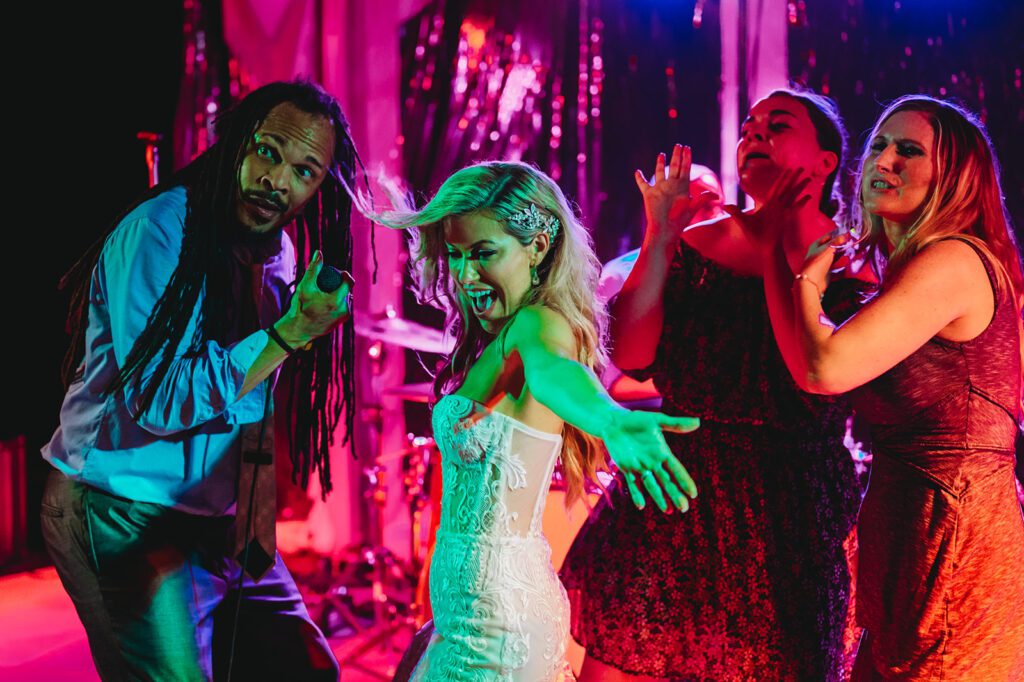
{"x":500,"y":611}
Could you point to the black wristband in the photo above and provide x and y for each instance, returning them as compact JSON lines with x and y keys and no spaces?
{"x":272,"y":333}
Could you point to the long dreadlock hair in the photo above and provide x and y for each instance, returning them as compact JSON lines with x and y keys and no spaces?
{"x":322,"y":380}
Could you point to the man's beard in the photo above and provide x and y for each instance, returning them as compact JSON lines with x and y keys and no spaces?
{"x":244,"y":234}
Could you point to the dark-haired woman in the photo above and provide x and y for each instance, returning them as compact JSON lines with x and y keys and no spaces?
{"x":753,"y":582}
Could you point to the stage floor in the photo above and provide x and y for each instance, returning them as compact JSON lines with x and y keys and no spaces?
{"x":41,"y":639}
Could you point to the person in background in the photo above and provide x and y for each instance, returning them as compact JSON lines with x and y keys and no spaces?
{"x":622,"y":387}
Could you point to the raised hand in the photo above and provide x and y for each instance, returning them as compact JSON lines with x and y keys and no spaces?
{"x":667,"y":202}
{"x":765,"y":225}
{"x":820,"y":260}
{"x":637,"y":445}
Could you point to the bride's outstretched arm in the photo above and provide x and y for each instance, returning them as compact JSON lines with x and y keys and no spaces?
{"x":544,"y":341}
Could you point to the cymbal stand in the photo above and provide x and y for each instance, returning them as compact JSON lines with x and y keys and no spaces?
{"x":391,"y":613}
{"x":417,"y":464}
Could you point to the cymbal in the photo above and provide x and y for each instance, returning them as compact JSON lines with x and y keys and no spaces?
{"x":413,"y":393}
{"x":405,"y":334}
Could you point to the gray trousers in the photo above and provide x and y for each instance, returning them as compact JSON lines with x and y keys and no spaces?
{"x":157,"y":592}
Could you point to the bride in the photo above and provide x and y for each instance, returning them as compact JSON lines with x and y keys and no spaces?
{"x":499,"y":249}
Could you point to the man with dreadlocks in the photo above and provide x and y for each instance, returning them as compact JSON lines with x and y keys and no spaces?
{"x":181,"y":317}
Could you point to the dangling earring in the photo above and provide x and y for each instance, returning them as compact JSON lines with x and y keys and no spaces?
{"x":534,"y":277}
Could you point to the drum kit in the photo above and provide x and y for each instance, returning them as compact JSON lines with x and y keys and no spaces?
{"x":375,"y":597}
{"x":381,"y":595}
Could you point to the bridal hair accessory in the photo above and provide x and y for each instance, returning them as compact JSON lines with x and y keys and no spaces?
{"x":532,"y":220}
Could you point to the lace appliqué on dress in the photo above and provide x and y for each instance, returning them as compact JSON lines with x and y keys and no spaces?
{"x":500,"y":611}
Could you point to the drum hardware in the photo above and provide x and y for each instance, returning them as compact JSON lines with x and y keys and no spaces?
{"x":153,"y":142}
{"x":396,"y":331}
{"x":412,"y":393}
{"x":390,"y":576}
{"x":393,"y":603}
{"x":421,"y":456}
{"x":390,"y":582}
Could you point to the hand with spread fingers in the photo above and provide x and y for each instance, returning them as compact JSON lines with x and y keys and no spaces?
{"x":789,"y":195}
{"x":637,"y":445}
{"x":667,"y":202}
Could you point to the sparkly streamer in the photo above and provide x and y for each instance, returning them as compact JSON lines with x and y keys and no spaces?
{"x":211,"y":79}
{"x":866,"y":52}
{"x":480,"y":83}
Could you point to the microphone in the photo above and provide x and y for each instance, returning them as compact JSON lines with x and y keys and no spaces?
{"x":329,"y":279}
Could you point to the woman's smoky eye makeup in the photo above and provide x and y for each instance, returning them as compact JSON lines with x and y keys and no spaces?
{"x":903,"y":148}
{"x":907,"y":149}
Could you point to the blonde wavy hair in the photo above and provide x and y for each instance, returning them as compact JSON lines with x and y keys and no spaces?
{"x":965,"y":200}
{"x":568,"y":279}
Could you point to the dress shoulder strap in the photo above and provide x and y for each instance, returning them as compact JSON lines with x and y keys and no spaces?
{"x":986,"y":260}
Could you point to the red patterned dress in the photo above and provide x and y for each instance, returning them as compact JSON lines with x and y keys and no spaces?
{"x":752,"y":583}
{"x":940,"y":585}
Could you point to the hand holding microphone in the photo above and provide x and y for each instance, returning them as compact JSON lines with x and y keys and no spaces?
{"x":330,"y":278}
{"x":322,"y":301}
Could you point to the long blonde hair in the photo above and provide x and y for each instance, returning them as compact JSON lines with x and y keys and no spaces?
{"x":965,"y":200}
{"x":568,"y":279}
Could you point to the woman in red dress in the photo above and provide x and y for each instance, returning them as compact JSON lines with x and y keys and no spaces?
{"x":933,"y":364}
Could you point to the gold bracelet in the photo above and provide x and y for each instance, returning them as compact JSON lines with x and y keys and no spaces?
{"x":802,"y":277}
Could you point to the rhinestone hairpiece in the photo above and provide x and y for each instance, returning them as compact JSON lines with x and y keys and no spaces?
{"x":532,"y":220}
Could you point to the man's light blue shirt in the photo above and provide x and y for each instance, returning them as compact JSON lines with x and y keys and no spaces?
{"x":182,"y":451}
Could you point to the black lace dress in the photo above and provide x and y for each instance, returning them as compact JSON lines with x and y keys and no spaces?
{"x":752,"y":583}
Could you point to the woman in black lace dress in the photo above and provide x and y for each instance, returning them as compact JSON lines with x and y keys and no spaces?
{"x":752,"y":584}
